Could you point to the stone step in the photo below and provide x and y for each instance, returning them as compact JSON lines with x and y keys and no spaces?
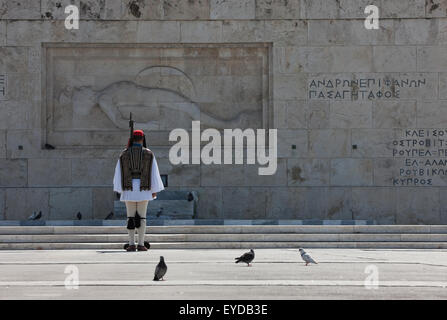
{"x":227,"y":245}
{"x":233,"y":229}
{"x":243,"y":237}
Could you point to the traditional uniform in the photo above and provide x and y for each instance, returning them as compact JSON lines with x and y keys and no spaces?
{"x":136,"y":179}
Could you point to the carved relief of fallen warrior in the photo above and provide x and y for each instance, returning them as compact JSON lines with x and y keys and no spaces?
{"x":129,"y":94}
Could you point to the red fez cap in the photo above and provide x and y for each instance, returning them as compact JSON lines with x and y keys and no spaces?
{"x":138,"y":133}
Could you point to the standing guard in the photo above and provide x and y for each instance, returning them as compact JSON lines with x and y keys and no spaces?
{"x":138,"y":181}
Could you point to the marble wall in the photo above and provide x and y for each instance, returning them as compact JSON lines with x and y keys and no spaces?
{"x":361,"y":114}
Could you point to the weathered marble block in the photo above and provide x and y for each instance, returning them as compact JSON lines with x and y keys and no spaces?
{"x":378,"y":202}
{"x":351,"y":172}
{"x":238,"y":203}
{"x":55,"y":9}
{"x":19,"y":9}
{"x":277,"y":9}
{"x":201,"y":31}
{"x":290,"y":87}
{"x":308,"y":172}
{"x":372,"y":143}
{"x":209,"y":204}
{"x":97,"y":172}
{"x":2,"y":33}
{"x":443,"y":205}
{"x":2,"y":144}
{"x":136,"y":10}
{"x":186,"y":10}
{"x":292,"y":143}
{"x":443,"y":85}
{"x":336,"y":59}
{"x":103,"y":201}
{"x":319,"y":9}
{"x":353,"y":8}
{"x":394,"y":114}
{"x":22,"y":202}
{"x":13,"y":173}
{"x":286,"y":32}
{"x":436,"y":8}
{"x":328,"y":32}
{"x":232,"y":9}
{"x":339,"y":203}
{"x":417,"y":31}
{"x":158,"y":31}
{"x":13,"y":59}
{"x":243,"y":31}
{"x":285,"y":203}
{"x":2,"y":204}
{"x":346,"y":114}
{"x":431,"y":59}
{"x":49,"y":172}
{"x":65,"y":203}
{"x":394,"y":59}
{"x":329,"y":143}
{"x":385,"y":170}
{"x":412,"y":201}
{"x":431,"y":114}
{"x":302,"y":114}
{"x":403,"y":9}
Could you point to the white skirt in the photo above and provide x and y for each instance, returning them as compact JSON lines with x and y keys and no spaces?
{"x":136,"y":194}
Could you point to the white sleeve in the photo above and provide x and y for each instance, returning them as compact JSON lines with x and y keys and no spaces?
{"x":156,"y":182}
{"x":117,"y":178}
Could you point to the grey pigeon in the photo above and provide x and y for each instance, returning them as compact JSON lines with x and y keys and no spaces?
{"x":35,"y":216}
{"x":109,"y":216}
{"x":307,"y":258}
{"x":246,"y":257}
{"x":79,"y":216}
{"x":160,"y":270}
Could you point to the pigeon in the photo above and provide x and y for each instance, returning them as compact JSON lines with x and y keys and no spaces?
{"x":109,"y":216}
{"x":49,"y":146}
{"x":246,"y":257}
{"x":79,"y":216}
{"x":160,"y":270}
{"x":307,"y":258}
{"x":35,"y":216}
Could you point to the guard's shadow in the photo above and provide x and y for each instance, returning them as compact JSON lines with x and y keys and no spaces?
{"x":113,"y":251}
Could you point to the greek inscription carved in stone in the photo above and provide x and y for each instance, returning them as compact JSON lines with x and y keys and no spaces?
{"x":424,"y":157}
{"x":360,"y":89}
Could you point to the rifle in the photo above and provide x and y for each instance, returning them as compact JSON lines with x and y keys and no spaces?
{"x":131,"y":122}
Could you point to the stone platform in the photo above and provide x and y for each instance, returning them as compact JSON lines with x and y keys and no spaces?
{"x":212,"y":274}
{"x":227,"y":237}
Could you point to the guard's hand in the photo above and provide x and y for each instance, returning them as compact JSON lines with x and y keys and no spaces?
{"x":154,"y":195}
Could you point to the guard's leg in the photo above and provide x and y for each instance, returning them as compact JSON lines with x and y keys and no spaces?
{"x":131,"y":210}
{"x":142,"y":209}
